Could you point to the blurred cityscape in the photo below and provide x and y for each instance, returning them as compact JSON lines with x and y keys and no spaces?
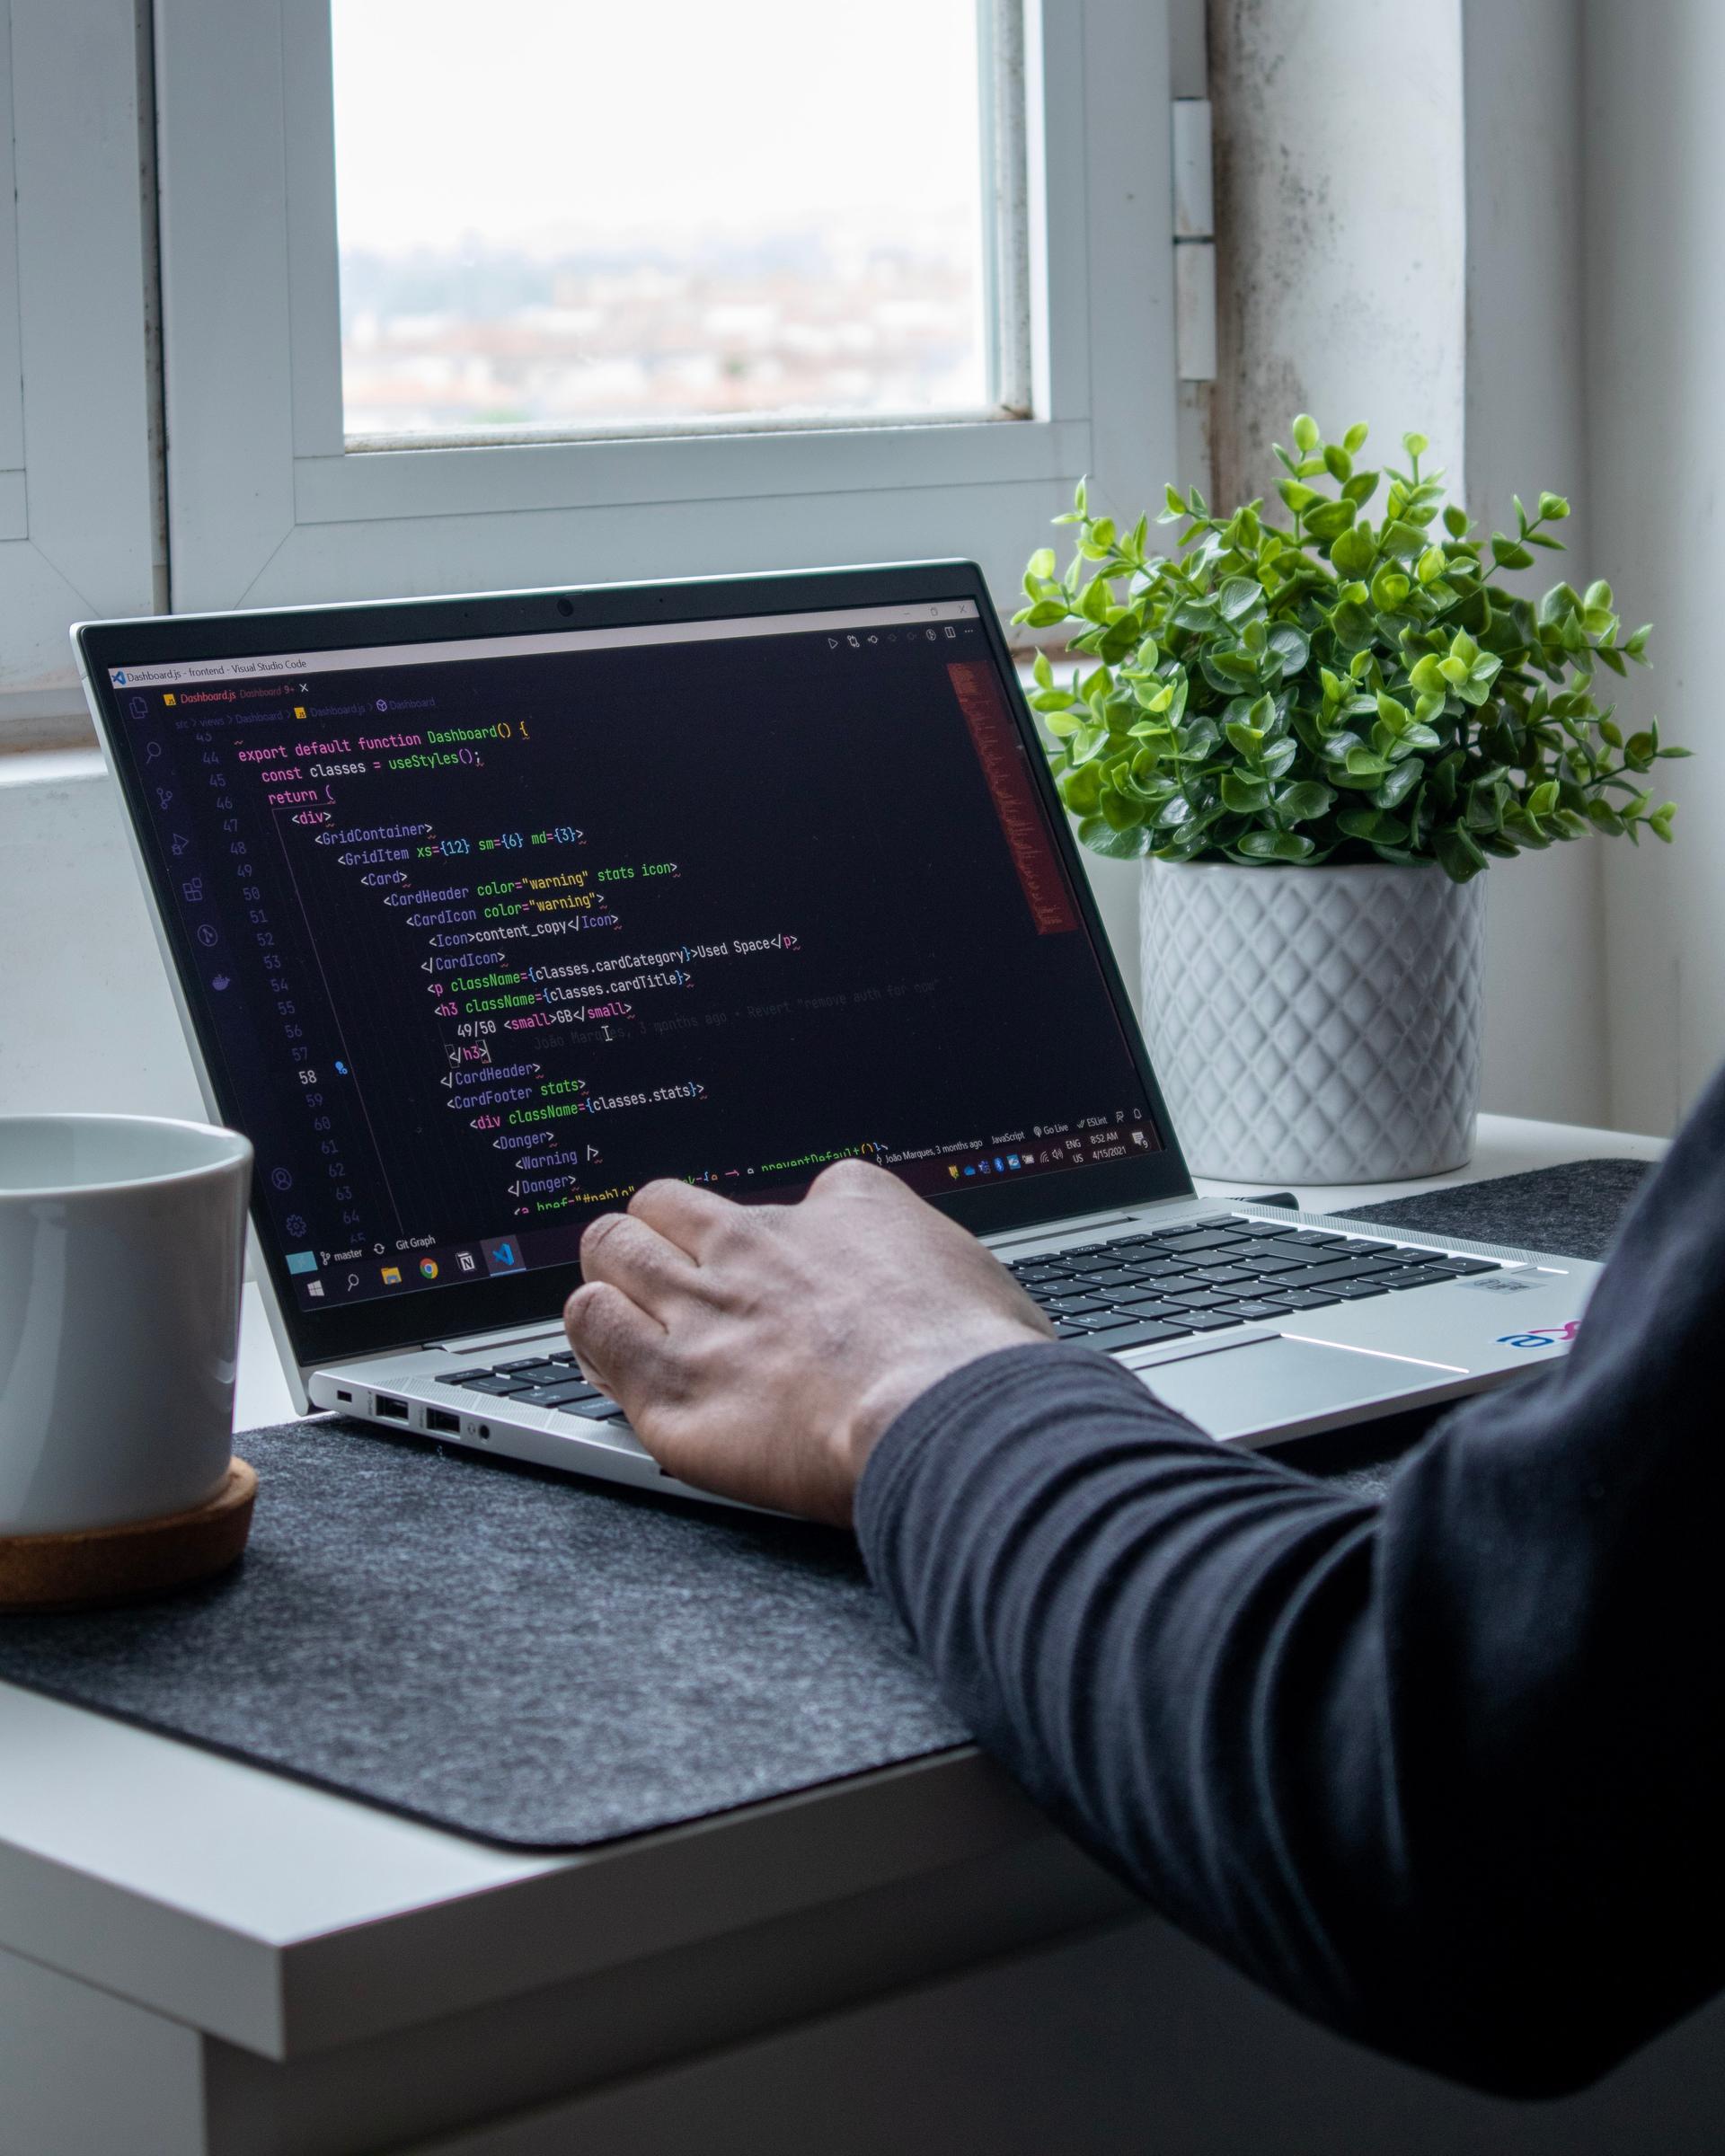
{"x":849,"y":317}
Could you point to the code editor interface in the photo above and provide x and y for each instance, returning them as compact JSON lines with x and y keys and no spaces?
{"x":488,"y":934}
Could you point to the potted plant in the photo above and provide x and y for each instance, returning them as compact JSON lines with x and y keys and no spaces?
{"x":1315,"y":734}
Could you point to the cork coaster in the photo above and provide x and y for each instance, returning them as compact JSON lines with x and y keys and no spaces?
{"x":129,"y":1563}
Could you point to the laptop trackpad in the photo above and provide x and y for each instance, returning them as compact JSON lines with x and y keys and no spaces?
{"x":1271,"y":1385}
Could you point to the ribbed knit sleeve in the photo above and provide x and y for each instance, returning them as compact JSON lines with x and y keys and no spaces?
{"x":1446,"y":1773}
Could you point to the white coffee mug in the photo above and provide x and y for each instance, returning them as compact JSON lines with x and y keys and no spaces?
{"x":122,"y":1240}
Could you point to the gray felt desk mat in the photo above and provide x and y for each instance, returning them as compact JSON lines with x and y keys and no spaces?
{"x":550,"y":1665}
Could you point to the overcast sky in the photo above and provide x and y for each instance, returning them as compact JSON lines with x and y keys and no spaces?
{"x":517,"y":119}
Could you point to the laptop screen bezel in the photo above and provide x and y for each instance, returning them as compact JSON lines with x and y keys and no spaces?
{"x":499,"y":1303}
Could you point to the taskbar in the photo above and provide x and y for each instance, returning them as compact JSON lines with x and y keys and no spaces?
{"x":322,"y":1278}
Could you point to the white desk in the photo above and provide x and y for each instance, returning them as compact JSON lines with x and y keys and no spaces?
{"x":197,"y":1956}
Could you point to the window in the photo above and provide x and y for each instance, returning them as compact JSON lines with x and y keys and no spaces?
{"x":78,"y":451}
{"x":327,"y":444}
{"x":800,"y":237}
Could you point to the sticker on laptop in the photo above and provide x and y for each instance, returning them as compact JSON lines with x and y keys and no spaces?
{"x":1542,"y":1335}
{"x":1502,"y":1283}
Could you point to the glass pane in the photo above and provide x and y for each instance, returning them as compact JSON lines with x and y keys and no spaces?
{"x":576,"y":217}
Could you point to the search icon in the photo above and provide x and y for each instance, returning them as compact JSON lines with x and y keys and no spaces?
{"x":353,"y":1282}
{"x":152,"y":752}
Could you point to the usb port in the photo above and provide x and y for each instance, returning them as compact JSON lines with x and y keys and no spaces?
{"x":440,"y":1419}
{"x":392,"y":1411}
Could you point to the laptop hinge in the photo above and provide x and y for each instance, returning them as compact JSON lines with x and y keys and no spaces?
{"x":1084,"y":1222}
{"x":501,"y":1337}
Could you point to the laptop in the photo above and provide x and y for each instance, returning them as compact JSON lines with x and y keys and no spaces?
{"x":482,"y":912}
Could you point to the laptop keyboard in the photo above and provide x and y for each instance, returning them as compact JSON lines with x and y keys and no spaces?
{"x":1141,"y":1289}
{"x":539,"y":1381}
{"x":1130,"y":1293}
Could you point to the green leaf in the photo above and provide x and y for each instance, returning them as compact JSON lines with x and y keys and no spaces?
{"x":1130,"y":843}
{"x":1354,"y":440}
{"x":1455,"y":521}
{"x":1330,"y":520}
{"x":1396,"y":716}
{"x":1402,"y":539}
{"x":1400,"y":783}
{"x":1290,"y":646}
{"x":1338,"y":464}
{"x":1238,"y":596}
{"x":1247,"y":741}
{"x":1307,"y":434}
{"x":1457,"y":852}
{"x":1279,"y":757}
{"x":1554,"y":507}
{"x":1276,"y":845}
{"x":1245,"y":796}
{"x":1390,"y":589}
{"x":1427,"y":678}
{"x":1510,"y":553}
{"x":1303,"y":801}
{"x":1353,"y":551}
{"x":1298,"y":498}
{"x":1416,"y":444}
{"x":1543,"y":800}
{"x":1363,"y":762}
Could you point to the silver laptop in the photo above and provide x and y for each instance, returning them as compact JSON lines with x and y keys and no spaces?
{"x":483,"y":912}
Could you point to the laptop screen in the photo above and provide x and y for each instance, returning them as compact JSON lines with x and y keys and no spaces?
{"x":481,"y":933}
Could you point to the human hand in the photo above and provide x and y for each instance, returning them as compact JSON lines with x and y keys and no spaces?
{"x":761,"y":1351}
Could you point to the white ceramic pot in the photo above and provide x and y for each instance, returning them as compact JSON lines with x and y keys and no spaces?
{"x":1315,"y":1025}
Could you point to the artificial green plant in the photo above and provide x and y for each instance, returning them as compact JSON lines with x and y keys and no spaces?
{"x":1335,"y":689}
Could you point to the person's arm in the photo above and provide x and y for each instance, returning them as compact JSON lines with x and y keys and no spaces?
{"x":1446,"y":1773}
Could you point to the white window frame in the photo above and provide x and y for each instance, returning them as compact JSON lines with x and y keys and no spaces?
{"x":79,"y":441}
{"x":268,"y":506}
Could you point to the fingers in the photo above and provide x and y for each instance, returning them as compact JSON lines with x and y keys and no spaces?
{"x":618,"y":1345}
{"x":651,"y":1271}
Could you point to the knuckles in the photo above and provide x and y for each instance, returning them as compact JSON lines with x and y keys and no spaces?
{"x":848,"y":1175}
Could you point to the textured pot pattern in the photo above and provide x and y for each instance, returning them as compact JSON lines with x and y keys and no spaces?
{"x":1315,"y":1025}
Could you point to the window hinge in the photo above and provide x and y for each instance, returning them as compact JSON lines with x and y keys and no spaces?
{"x":1194,"y":242}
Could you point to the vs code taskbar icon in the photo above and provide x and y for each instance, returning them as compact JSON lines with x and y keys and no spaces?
{"x":321,"y":1280}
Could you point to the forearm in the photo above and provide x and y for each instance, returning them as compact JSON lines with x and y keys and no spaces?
{"x":1421,"y":1770}
{"x":1166,"y":1639}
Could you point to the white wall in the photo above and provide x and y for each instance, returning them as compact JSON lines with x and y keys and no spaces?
{"x":1545,"y":1048}
{"x":1341,"y":226}
{"x":87,"y":1020}
{"x":1655,"y":203}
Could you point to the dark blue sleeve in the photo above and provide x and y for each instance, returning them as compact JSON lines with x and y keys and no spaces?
{"x":1446,"y":1773}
